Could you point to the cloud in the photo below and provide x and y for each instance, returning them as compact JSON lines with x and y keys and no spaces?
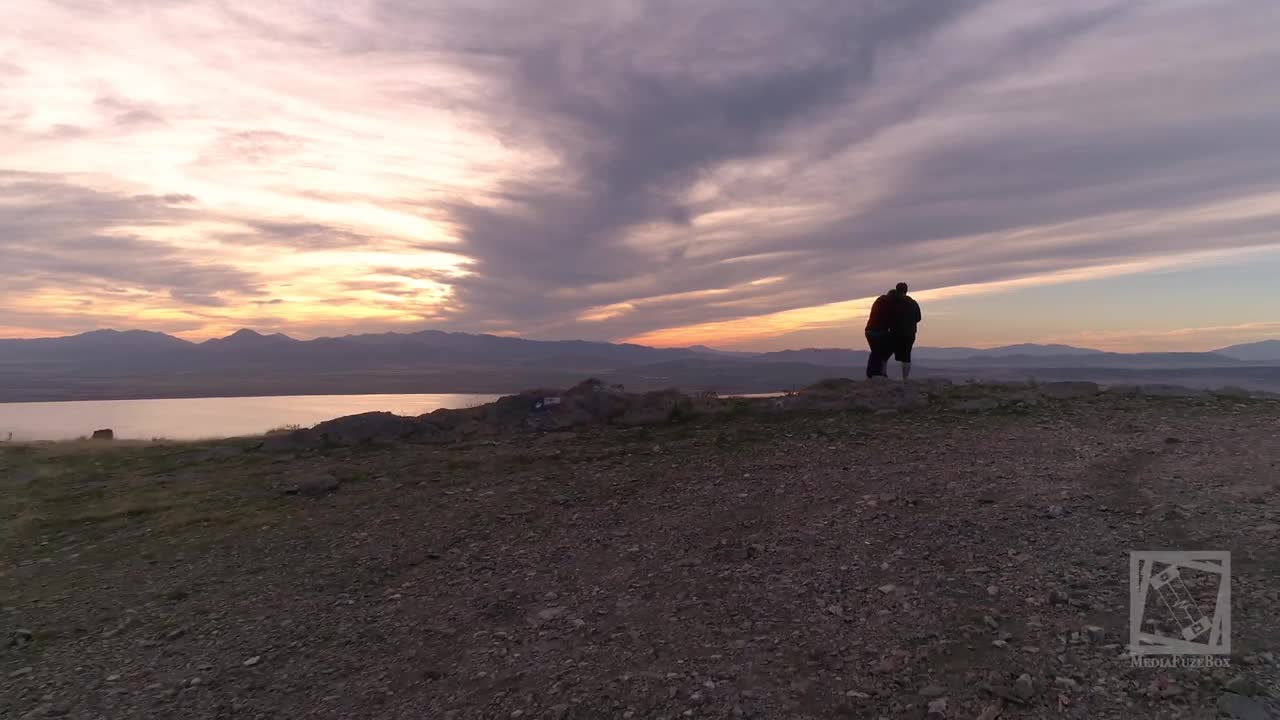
{"x":128,"y":114}
{"x":76,"y":242}
{"x":251,"y":147}
{"x":64,"y":131}
{"x":634,"y":119}
{"x":298,"y":235}
{"x":634,"y":128}
{"x":858,"y":141}
{"x":622,"y":169}
{"x":1179,"y":339}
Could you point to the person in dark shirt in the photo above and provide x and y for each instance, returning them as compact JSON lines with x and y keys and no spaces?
{"x":906,"y":317}
{"x":879,"y":334}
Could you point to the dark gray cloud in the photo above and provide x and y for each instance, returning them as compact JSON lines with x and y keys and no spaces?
{"x":633,"y":133}
{"x":55,"y":233}
{"x":58,"y":235}
{"x":297,"y":235}
{"x":307,"y":236}
{"x":638,"y":103}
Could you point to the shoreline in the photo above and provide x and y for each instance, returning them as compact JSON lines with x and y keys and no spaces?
{"x":296,"y":418}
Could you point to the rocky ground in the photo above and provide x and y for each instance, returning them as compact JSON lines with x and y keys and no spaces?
{"x":857,"y":552}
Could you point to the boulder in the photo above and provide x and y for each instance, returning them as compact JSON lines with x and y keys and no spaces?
{"x":370,"y":427}
{"x":315,"y":486}
{"x":293,"y":440}
{"x":587,"y":403}
{"x":104,"y":434}
{"x":580,"y":408}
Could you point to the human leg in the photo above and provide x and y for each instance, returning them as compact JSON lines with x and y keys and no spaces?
{"x":877,"y":357}
{"x":902,"y":351}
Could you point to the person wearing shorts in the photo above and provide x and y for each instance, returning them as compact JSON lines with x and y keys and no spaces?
{"x":903,"y":335}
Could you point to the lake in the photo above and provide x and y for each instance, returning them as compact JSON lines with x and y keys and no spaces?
{"x":200,"y":418}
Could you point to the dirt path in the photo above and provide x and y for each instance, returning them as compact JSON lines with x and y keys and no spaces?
{"x":805,"y":566}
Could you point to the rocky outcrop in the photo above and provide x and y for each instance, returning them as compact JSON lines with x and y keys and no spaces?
{"x":593,"y":403}
{"x":590,"y":402}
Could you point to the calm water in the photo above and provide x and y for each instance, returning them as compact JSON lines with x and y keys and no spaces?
{"x":198,"y":418}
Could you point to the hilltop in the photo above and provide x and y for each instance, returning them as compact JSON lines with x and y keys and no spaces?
{"x":855,"y":550}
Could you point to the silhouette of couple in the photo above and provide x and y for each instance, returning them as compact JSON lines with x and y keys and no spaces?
{"x":891,"y":331}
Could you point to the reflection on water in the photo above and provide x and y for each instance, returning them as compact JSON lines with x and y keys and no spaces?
{"x":201,"y":418}
{"x":197,"y":418}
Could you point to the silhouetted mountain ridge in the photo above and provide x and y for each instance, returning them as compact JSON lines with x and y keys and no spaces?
{"x":438,"y":345}
{"x":245,"y":337}
{"x":135,"y":363}
{"x":1263,"y":350}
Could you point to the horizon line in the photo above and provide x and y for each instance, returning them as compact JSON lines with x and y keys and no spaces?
{"x":977,"y":346}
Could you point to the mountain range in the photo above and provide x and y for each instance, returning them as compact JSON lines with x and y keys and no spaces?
{"x":142,"y":364}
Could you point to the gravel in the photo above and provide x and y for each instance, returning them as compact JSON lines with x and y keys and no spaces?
{"x":816,"y":564}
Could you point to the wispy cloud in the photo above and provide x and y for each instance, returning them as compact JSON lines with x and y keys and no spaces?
{"x":656,"y":170}
{"x":1188,"y":338}
{"x":128,"y":114}
{"x":62,"y":241}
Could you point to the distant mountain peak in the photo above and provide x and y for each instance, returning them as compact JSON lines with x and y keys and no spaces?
{"x":111,"y":336}
{"x":245,"y":336}
{"x":111,"y":332}
{"x":1043,"y":348}
{"x":1262,"y":350}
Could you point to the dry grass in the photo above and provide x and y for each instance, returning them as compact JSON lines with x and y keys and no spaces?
{"x":83,"y":446}
{"x":92,"y":489}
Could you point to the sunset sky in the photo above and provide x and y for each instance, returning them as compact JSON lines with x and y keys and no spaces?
{"x":737,"y":173}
